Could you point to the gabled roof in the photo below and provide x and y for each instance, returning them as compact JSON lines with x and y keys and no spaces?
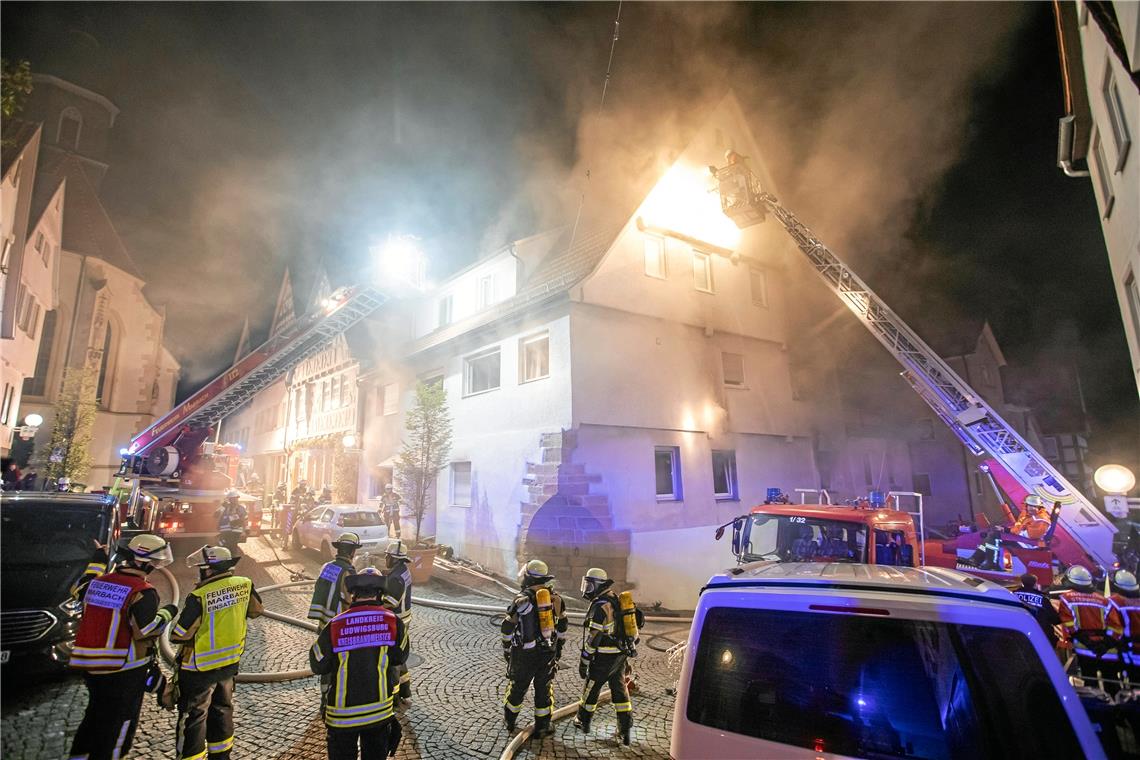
{"x":87,"y":229}
{"x":17,"y":134}
{"x":42,"y":193}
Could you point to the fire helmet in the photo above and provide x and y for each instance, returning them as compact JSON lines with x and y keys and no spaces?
{"x":1079,"y":576}
{"x":387,"y":486}
{"x":148,"y":549}
{"x":594,"y":581}
{"x":1033,"y":500}
{"x":212,"y":557}
{"x":396,"y":550}
{"x":1125,"y":582}
{"x":534,"y":573}
{"x":369,"y":581}
{"x":347,"y":542}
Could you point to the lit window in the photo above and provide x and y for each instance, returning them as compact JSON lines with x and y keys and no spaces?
{"x":655,"y":257}
{"x":724,"y":475}
{"x":486,"y":291}
{"x":759,"y":285}
{"x":1103,"y":181}
{"x":70,"y":125}
{"x":1121,"y":138}
{"x":702,"y":272}
{"x":667,"y":469}
{"x":481,"y":372}
{"x":733,"y":365}
{"x":534,"y":358}
{"x":461,"y":484}
{"x":391,"y":403}
{"x":445,"y":311}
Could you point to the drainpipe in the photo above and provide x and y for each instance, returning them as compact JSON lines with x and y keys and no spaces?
{"x":1066,"y":126}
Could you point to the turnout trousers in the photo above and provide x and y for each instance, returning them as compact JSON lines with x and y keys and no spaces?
{"x":113,"y":704}
{"x":206,"y":714}
{"x":606,"y":670}
{"x":529,"y":665}
{"x":364,"y":743}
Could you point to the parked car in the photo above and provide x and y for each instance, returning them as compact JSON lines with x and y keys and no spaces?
{"x":320,"y":526}
{"x":815,"y":660}
{"x":46,"y":542}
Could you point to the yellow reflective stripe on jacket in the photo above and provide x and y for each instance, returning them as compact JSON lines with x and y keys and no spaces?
{"x":220,"y":638}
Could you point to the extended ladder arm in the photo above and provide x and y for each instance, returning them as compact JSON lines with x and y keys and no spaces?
{"x":963,"y":410}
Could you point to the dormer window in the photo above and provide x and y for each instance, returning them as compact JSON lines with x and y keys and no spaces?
{"x":70,"y":125}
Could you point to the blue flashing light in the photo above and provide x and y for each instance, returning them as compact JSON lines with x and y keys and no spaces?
{"x":774,"y":494}
{"x":877,"y":499}
{"x":124,"y":451}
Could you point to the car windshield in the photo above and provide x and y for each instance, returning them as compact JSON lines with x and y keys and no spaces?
{"x":45,"y":532}
{"x":798,"y":538}
{"x":360,"y":519}
{"x":876,"y":687}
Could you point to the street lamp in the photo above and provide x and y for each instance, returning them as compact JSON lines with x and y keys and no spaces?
{"x":348,"y":441}
{"x":1114,"y":479}
{"x":31,"y":424}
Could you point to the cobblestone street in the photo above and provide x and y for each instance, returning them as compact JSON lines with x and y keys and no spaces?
{"x":458,"y":680}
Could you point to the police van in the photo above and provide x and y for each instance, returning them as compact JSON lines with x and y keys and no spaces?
{"x":811,"y":660}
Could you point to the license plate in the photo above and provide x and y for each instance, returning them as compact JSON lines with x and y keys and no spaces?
{"x":4,"y":655}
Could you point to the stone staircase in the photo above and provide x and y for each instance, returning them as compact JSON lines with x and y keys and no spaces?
{"x":563,"y":523}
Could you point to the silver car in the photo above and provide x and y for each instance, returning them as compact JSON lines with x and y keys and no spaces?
{"x":320,"y":526}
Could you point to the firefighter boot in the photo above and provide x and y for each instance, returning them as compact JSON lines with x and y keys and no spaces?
{"x":509,"y":718}
{"x":542,"y":727}
{"x":582,"y":721}
{"x":625,"y":726}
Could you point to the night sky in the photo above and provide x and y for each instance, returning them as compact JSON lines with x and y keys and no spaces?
{"x":918,"y":139}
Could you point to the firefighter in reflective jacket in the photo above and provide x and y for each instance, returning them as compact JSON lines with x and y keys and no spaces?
{"x":605,"y":649}
{"x":211,"y":630}
{"x":398,"y":598}
{"x":534,"y":631}
{"x":358,"y":649}
{"x":329,"y":597}
{"x":1034,"y":522}
{"x":1124,"y":616}
{"x":115,"y":647}
{"x":1087,"y":626}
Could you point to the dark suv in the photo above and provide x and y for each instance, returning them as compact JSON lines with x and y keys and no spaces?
{"x":46,"y":542}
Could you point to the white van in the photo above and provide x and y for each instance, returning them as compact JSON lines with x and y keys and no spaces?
{"x":811,"y":660}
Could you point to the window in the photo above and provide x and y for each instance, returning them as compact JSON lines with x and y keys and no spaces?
{"x":37,"y":384}
{"x":724,"y":476}
{"x":702,"y":272}
{"x":486,"y":291}
{"x":102,"y":389}
{"x":534,"y":358}
{"x":758,"y":282}
{"x":391,"y":401}
{"x":436,"y":380}
{"x":949,"y":689}
{"x":667,"y":468}
{"x":461,"y":484}
{"x":733,"y":366}
{"x":1132,"y":294}
{"x":655,"y":257}
{"x":1051,"y":450}
{"x":481,"y":372}
{"x":1121,"y":138}
{"x":977,"y":484}
{"x":922,"y":484}
{"x":39,"y":242}
{"x":986,"y":378}
{"x":70,"y":125}
{"x":6,"y":409}
{"x":1103,"y":181}
{"x":4,"y":256}
{"x":445,"y":311}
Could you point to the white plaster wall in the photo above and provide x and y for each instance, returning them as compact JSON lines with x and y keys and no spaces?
{"x":463,"y":288}
{"x":670,"y":566}
{"x":1122,"y":225}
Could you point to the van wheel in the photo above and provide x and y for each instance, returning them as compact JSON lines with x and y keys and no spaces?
{"x":296,"y":542}
{"x":326,"y":550}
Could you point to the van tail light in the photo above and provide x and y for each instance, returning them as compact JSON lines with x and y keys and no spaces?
{"x":849,"y":611}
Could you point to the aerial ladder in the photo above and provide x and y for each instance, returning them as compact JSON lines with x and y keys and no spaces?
{"x":980,"y":428}
{"x":171,"y":460}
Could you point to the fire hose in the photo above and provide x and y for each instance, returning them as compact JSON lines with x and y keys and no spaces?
{"x":524,"y":735}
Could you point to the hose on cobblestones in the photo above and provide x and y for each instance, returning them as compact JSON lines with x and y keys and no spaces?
{"x":665,"y":636}
{"x":515,"y":744}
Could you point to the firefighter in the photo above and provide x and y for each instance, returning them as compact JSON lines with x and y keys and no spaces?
{"x":357,"y":650}
{"x":1124,"y":613}
{"x":390,"y":504}
{"x":231,"y":520}
{"x":398,"y":598}
{"x":605,"y":650}
{"x":211,"y":630}
{"x":326,"y":496}
{"x":329,"y":596}
{"x":1039,"y":603}
{"x":532,"y":646}
{"x":1086,"y":623}
{"x":114,"y":647}
{"x":1034,"y":522}
{"x":302,"y":497}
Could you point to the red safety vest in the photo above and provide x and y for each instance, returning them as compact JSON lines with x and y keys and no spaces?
{"x":1127,"y":609}
{"x":104,"y":641}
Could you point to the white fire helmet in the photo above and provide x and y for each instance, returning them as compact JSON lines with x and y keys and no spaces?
{"x":396,"y":550}
{"x":210,"y":556}
{"x":1125,"y":581}
{"x":593,"y":578}
{"x":148,"y":549}
{"x":1079,"y":577}
{"x":1033,"y":500}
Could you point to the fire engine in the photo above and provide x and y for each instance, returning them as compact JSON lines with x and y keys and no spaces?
{"x":1080,"y":532}
{"x":174,"y":475}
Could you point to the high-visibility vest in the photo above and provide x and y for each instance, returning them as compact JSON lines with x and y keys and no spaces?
{"x":359,"y":694}
{"x":104,"y":642}
{"x":220,"y":637}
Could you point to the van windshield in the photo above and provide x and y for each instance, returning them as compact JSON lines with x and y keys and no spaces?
{"x":38,"y":533}
{"x":876,"y":687}
{"x":797,"y":538}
